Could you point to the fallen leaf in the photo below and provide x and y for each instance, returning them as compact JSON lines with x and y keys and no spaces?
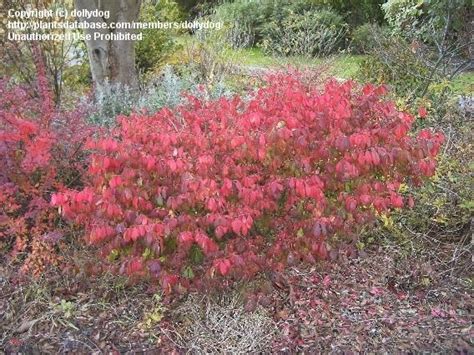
{"x":27,"y":325}
{"x":327,"y":281}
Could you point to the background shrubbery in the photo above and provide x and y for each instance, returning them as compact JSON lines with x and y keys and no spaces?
{"x":311,"y":33}
{"x":157,"y":45}
{"x":367,"y":37}
{"x":281,"y":27}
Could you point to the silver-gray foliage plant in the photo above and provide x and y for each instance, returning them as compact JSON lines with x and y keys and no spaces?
{"x":166,"y":91}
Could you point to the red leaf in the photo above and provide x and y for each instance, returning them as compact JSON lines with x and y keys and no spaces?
{"x":422,"y":112}
{"x":206,"y":244}
{"x":236,"y":226}
{"x":186,"y":238}
{"x":326,"y":281}
{"x":223,"y":265}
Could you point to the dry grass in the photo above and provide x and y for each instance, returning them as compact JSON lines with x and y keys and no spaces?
{"x":208,"y":325}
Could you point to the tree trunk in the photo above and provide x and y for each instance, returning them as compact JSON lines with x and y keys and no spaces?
{"x":112,"y":61}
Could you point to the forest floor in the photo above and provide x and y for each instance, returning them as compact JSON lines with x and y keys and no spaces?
{"x":377,"y":301}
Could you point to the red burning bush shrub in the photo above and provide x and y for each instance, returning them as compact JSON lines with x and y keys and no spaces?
{"x":40,"y":153}
{"x":229,"y":188}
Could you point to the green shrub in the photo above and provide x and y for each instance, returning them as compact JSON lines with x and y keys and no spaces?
{"x":242,"y":21}
{"x":312,"y":33}
{"x":264,"y":22}
{"x":430,"y":21}
{"x":365,"y":37}
{"x":245,"y":20}
{"x":280,"y":9}
{"x":356,"y":12}
{"x":410,"y":74}
{"x":190,"y":5}
{"x":156,"y":44}
{"x":402,"y":15}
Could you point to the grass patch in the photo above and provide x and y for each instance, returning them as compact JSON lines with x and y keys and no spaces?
{"x":463,"y":84}
{"x":344,"y":66}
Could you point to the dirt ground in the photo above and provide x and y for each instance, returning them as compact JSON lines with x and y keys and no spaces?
{"x":378,"y":301}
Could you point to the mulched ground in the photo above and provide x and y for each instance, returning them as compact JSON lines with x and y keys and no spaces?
{"x":369,"y":304}
{"x":377,"y":302}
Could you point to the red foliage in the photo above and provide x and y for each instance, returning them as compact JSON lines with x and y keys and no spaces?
{"x":39,"y":154}
{"x":229,"y":188}
{"x":422,"y":112}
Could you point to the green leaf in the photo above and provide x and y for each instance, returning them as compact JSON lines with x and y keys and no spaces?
{"x":188,"y":272}
{"x":159,"y":201}
{"x":300,"y":233}
{"x":147,"y":253}
{"x":114,"y":254}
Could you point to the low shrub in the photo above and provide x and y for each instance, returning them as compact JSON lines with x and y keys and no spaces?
{"x":242,"y":20}
{"x":357,"y":12}
{"x":365,"y":38}
{"x":165,"y":91}
{"x":216,"y":191}
{"x":281,"y":27}
{"x":312,"y":33}
{"x":40,"y":153}
{"x":393,"y":61}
